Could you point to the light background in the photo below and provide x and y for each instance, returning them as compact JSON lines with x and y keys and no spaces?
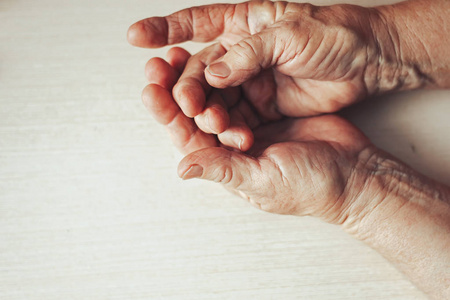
{"x":90,"y":203}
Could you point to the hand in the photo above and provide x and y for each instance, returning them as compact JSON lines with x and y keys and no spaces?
{"x":324,"y":167}
{"x":291,"y":59}
{"x":320,"y":166}
{"x":296,"y":166}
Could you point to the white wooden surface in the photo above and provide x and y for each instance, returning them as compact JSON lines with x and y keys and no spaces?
{"x":90,"y":204}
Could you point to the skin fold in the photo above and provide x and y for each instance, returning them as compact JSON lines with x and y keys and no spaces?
{"x":248,"y":112}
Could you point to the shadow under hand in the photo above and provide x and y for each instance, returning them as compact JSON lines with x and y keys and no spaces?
{"x":413,"y":126}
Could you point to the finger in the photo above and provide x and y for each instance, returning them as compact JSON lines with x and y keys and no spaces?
{"x":200,"y":24}
{"x":230,"y":96}
{"x":214,"y":118}
{"x":159,"y":103}
{"x":233,"y":169}
{"x":166,"y":73}
{"x":184,"y":133}
{"x":159,"y":72}
{"x":248,"y":114}
{"x":187,"y":137}
{"x":205,"y":23}
{"x":245,"y":59}
{"x":191,"y":90}
{"x":190,"y":95}
{"x":238,"y":135}
{"x":177,"y":57}
{"x":261,"y":92}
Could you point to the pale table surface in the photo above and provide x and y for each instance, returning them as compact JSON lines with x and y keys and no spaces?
{"x":90,"y":203}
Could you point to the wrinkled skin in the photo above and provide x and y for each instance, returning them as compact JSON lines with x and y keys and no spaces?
{"x":285,"y":61}
{"x":295,"y":166}
{"x":288,"y":59}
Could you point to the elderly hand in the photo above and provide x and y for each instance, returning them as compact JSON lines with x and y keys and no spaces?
{"x":293,"y":59}
{"x":313,"y":166}
{"x":290,"y":59}
{"x":321,"y":166}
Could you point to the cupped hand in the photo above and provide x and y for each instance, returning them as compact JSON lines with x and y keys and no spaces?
{"x":292,"y":59}
{"x":300,"y":166}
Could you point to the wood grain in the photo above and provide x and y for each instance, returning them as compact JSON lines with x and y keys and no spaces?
{"x":90,"y":204}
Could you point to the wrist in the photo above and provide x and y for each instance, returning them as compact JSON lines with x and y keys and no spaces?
{"x":405,"y":217}
{"x":384,"y":191}
{"x":367,"y":189}
{"x":390,"y":65}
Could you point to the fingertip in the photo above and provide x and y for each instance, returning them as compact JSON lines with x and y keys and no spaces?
{"x":152,"y":65}
{"x":213,"y":120}
{"x":240,"y":138}
{"x":159,"y":103}
{"x":188,"y":162}
{"x":217,"y":80}
{"x":190,"y":97}
{"x":158,"y":71}
{"x":177,"y":57}
{"x":149,"y":93}
{"x":178,"y":51}
{"x":215,"y":163}
{"x":239,"y":135}
{"x":135,"y":34}
{"x":148,"y":33}
{"x":131,"y":35}
{"x":219,"y":119}
{"x":219,"y":69}
{"x":247,"y":141}
{"x":194,"y":171}
{"x":200,"y":163}
{"x":182,"y":169}
{"x":241,"y":62}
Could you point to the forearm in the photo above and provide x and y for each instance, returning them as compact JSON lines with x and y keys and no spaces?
{"x":413,"y":40}
{"x":406,"y":218}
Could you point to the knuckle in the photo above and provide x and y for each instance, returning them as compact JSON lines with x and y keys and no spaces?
{"x":223,"y":175}
{"x":224,"y":172}
{"x":180,"y":27}
{"x":245,"y":49}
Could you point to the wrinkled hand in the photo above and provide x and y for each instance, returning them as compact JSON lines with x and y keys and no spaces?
{"x":295,"y":166}
{"x":290,"y":59}
{"x":321,"y":166}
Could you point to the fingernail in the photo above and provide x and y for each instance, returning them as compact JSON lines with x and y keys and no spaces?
{"x":194,"y":171}
{"x":219,"y":69}
{"x":238,"y":141}
{"x":208,"y":123}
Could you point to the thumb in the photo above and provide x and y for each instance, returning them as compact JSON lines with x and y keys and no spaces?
{"x":244,"y":60}
{"x":233,"y":169}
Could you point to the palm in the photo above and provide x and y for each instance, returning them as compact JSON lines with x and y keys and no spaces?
{"x":297,"y":97}
{"x":311,"y":157}
{"x":314,"y":145}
